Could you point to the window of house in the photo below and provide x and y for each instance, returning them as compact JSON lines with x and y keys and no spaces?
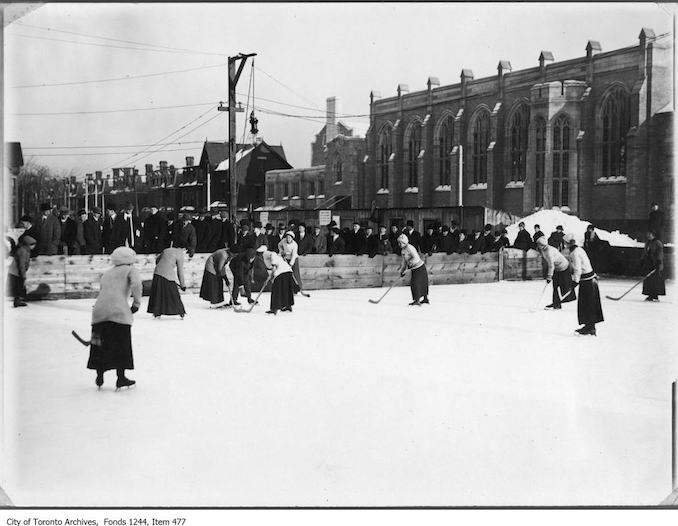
{"x":445,"y":139}
{"x":413,"y":149}
{"x":286,"y":189}
{"x":615,"y":115}
{"x":384,"y":153}
{"x":295,"y":188}
{"x":481,"y":140}
{"x":561,"y":161}
{"x":270,"y":191}
{"x":311,"y":188}
{"x":321,"y":187}
{"x":540,"y":165}
{"x":518,"y":141}
{"x":338,"y":169}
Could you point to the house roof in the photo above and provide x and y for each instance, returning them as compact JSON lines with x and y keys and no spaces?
{"x":216,"y":153}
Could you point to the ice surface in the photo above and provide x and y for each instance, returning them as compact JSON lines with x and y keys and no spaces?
{"x":548,"y":220}
{"x":471,"y":400}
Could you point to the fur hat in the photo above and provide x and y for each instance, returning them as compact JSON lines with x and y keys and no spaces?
{"x":123,"y":256}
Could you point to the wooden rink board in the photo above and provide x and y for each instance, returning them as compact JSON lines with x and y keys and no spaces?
{"x":59,"y":277}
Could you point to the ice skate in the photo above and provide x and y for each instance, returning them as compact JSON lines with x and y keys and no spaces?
{"x":425,"y":300}
{"x":415,"y":302}
{"x":20,"y":304}
{"x":274,"y":312}
{"x":552,"y":307}
{"x":124,"y":382}
{"x":100,"y":380}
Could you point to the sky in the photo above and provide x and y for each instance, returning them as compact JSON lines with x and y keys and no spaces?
{"x":94,"y":86}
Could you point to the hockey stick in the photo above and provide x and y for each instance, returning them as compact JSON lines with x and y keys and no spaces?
{"x":625,"y":293}
{"x":305,"y":294}
{"x":256,"y":300}
{"x":534,"y":309}
{"x":81,"y":340}
{"x":387,"y":290}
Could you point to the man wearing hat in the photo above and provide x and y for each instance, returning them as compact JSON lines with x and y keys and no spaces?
{"x":184,"y":235}
{"x":30,"y":229}
{"x":155,"y":232}
{"x":227,"y":232}
{"x":272,"y":239}
{"x":383,"y":241}
{"x":488,"y":239}
{"x":336,"y":244}
{"x":93,"y":233}
{"x":413,"y":237}
{"x":589,"y":309}
{"x":79,"y":243}
{"x":21,"y":260}
{"x":319,"y":241}
{"x":355,"y":240}
{"x":653,"y":260}
{"x":49,"y":232}
{"x":68,"y":232}
{"x":259,"y":236}
{"x":305,"y":241}
{"x":429,"y":241}
{"x":371,"y":242}
{"x":107,"y":229}
{"x":127,"y":229}
{"x":245,"y":239}
{"x":445,"y":241}
{"x":523,"y":240}
{"x":281,"y":235}
{"x":556,"y":238}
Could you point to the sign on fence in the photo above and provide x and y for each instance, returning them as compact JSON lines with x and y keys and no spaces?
{"x":263,"y":217}
{"x":324,"y":217}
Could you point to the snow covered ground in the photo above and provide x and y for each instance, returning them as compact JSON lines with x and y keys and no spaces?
{"x":472,"y":400}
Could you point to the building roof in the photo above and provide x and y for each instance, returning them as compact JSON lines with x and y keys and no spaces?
{"x":216,"y":153}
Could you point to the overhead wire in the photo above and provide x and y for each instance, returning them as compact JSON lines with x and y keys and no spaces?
{"x":99,"y":153}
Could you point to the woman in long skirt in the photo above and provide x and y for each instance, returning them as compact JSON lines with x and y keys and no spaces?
{"x":289,"y":250}
{"x":283,"y":287}
{"x":165,"y":298}
{"x":111,"y":344}
{"x":214,"y":277}
{"x":589,"y":309}
{"x":653,"y":259}
{"x":412,"y":261}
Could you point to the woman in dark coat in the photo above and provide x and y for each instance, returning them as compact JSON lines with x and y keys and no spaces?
{"x":412,"y":261}
{"x":165,"y":298}
{"x":111,"y":344}
{"x":589,"y":309}
{"x":653,"y":259}
{"x":212,"y":287}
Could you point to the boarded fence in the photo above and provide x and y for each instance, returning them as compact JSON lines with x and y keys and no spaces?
{"x":59,"y":277}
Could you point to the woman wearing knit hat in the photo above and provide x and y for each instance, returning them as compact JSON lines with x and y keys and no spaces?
{"x":289,"y":250}
{"x":412,"y":261}
{"x":283,"y":288}
{"x":589,"y":309}
{"x":165,"y":298}
{"x":111,"y":344}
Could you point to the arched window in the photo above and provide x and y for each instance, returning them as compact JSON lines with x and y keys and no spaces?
{"x":338,"y":169}
{"x":445,"y":139}
{"x":383,"y":155}
{"x":481,"y":140}
{"x":518,"y":140}
{"x":413,"y":149}
{"x":561,"y":160}
{"x":540,"y":165}
{"x":615,"y":116}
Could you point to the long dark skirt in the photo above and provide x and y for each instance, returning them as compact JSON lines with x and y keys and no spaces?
{"x":111,"y":347}
{"x":589,"y":309}
{"x":297,"y":274}
{"x":165,"y":298}
{"x":419,"y":283}
{"x":654,"y":285}
{"x":212,"y":288}
{"x":282,"y":292}
{"x":563,"y":287}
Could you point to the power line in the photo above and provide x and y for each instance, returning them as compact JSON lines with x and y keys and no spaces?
{"x":150,"y":108}
{"x":127,"y":77}
{"x":120,"y":40}
{"x":103,"y":146}
{"x":101,"y":153}
{"x":287,"y":87}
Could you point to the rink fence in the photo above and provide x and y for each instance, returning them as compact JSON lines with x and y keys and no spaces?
{"x":59,"y":277}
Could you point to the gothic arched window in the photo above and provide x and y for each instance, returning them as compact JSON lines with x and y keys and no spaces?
{"x":540,"y":165}
{"x":561,"y":160}
{"x":445,"y":139}
{"x":413,"y":149}
{"x":481,"y":140}
{"x":615,"y":117}
{"x":383,"y":155}
{"x":518,"y":140}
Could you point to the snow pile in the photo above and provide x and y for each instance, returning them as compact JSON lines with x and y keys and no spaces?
{"x":548,"y":220}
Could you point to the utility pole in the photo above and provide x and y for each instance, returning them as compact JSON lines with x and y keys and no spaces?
{"x":233,"y":77}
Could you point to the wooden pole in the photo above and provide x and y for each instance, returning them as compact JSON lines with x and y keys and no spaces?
{"x":674,"y":436}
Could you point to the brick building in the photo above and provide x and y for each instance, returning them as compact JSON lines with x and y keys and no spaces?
{"x":591,"y":136}
{"x":336,"y":174}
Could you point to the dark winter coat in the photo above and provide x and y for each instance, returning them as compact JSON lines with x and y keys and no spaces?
{"x":320,"y":244}
{"x":122,"y":233}
{"x":556,"y":240}
{"x":212,"y":235}
{"x":414,"y":238}
{"x":477,"y":245}
{"x":465,"y":246}
{"x":488,"y":243}
{"x":336,"y":247}
{"x":653,"y":259}
{"x":49,"y":236}
{"x":227,"y":234}
{"x":371,"y":245}
{"x":305,"y":244}
{"x":107,"y":234}
{"x":355,"y":242}
{"x":384,"y":243}
{"x":523,"y":240}
{"x":68,"y":233}
{"x":500,"y":243}
{"x":393,"y":240}
{"x":93,"y":236}
{"x":245,"y":241}
{"x":429,"y":243}
{"x":155,"y":233}
{"x":241,"y":268}
{"x":537,"y":235}
{"x":656,"y":222}
{"x":184,"y":237}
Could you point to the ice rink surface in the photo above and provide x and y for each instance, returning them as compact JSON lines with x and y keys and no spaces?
{"x":472,"y":400}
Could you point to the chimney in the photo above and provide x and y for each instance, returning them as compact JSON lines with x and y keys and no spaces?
{"x":189,"y":161}
{"x":332,"y":110}
{"x":149,"y":169}
{"x":544,"y":57}
{"x":97,"y":175}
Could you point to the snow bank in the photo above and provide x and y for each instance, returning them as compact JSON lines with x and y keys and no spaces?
{"x":548,"y":220}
